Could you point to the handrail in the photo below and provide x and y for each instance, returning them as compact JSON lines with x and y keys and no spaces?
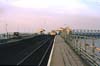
{"x":94,"y":61}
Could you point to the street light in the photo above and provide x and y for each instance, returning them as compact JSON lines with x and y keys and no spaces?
{"x":7,"y":30}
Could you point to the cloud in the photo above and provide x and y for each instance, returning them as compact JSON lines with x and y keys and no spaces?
{"x":93,"y":4}
{"x":66,"y":4}
{"x":54,"y":6}
{"x":25,"y":15}
{"x":1,"y":10}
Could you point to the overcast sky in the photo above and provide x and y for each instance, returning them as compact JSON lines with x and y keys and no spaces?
{"x":31,"y":15}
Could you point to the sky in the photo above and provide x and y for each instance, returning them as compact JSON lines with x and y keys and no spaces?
{"x":32,"y":15}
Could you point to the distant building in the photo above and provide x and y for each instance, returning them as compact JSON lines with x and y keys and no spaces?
{"x":68,"y":30}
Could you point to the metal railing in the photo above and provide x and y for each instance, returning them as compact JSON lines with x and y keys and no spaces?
{"x":86,"y":50}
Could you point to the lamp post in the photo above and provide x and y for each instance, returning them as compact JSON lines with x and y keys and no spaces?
{"x":7,"y":30}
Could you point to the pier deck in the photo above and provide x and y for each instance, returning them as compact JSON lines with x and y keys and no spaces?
{"x":63,"y":55}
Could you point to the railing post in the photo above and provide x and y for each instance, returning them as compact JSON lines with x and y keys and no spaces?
{"x":75,"y":43}
{"x":85,"y":44}
{"x":93,"y":47}
{"x":80,"y":47}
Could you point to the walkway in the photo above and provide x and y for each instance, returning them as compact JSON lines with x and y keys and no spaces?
{"x":63,"y":55}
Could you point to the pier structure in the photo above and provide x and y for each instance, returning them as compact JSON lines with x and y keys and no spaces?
{"x":86,"y":32}
{"x":77,"y":40}
{"x":67,"y":47}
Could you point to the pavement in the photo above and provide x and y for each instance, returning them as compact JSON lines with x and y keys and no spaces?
{"x":63,"y":55}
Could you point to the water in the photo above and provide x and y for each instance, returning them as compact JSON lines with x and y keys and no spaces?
{"x":89,"y":41}
{"x":97,"y":43}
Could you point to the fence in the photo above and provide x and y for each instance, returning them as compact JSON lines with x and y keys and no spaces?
{"x":84,"y":46}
